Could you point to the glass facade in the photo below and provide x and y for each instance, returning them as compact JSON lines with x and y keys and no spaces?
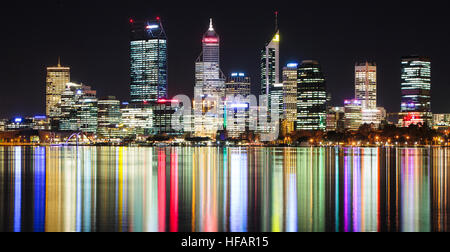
{"x":270,"y":65}
{"x":148,"y":60}
{"x":312,"y":97}
{"x":109,"y":117}
{"x":416,"y":88}
{"x":79,"y":110}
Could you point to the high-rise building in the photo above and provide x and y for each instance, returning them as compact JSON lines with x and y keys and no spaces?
{"x":416,"y":90}
{"x":79,"y":110}
{"x":209,"y":90}
{"x":290,"y":79}
{"x":57,"y":78}
{"x":353,"y":114}
{"x":109,"y":117}
{"x":270,"y":63}
{"x":312,"y":97}
{"x":238,"y":84}
{"x":148,"y":61}
{"x":366,"y":84}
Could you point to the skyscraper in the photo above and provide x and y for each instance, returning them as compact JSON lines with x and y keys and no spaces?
{"x":312,"y":97}
{"x":416,"y":90}
{"x":238,"y":84}
{"x":366,"y":84}
{"x":209,"y":87}
{"x":290,"y":78}
{"x":270,"y":63}
{"x":148,"y":61}
{"x":57,"y":78}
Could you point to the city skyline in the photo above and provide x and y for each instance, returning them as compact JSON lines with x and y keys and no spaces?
{"x":231,"y":52}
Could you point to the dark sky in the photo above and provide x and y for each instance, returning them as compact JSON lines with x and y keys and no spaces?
{"x":92,"y":37}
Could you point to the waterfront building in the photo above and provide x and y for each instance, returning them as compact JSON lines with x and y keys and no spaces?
{"x":209,"y":90}
{"x":79,"y":110}
{"x":441,"y":121}
{"x":373,"y":116}
{"x":148,"y":61}
{"x":136,"y":120}
{"x":162,"y":118}
{"x":366,"y":84}
{"x":353,"y":114}
{"x":109,"y":118}
{"x":238,"y":84}
{"x":312,"y":97}
{"x":336,"y":119}
{"x":415,"y":91}
{"x":56,"y":80}
{"x":290,"y":79}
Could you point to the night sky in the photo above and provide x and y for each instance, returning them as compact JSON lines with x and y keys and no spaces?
{"x":92,"y":37}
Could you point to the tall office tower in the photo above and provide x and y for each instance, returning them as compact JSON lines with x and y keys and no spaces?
{"x":416,"y":90}
{"x":148,"y":61}
{"x":57,"y":78}
{"x":79,"y":110}
{"x":290,"y":75}
{"x":238,"y":84}
{"x":312,"y":97}
{"x":270,"y":63}
{"x":366,"y":84}
{"x":109,"y":117}
{"x":209,"y":87}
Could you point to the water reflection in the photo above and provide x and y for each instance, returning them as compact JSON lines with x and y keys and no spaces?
{"x":223,"y":189}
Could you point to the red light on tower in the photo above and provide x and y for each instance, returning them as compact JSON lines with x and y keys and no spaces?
{"x":158,"y":18}
{"x":131,"y":21}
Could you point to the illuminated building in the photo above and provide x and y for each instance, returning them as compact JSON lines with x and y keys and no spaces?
{"x":373,"y":116}
{"x":79,"y":110}
{"x":136,"y":120}
{"x":416,"y":91}
{"x":109,"y":117}
{"x":441,"y":121}
{"x":162,"y":118}
{"x":237,"y":117}
{"x":270,"y":64}
{"x":311,"y":97}
{"x":353,"y":114}
{"x":148,"y":61}
{"x":209,"y":90}
{"x":57,"y":78}
{"x":366,"y":84}
{"x":336,"y":119}
{"x":290,"y":79}
{"x":238,"y":84}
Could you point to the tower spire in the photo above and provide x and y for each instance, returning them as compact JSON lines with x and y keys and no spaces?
{"x":211,"y":28}
{"x":59,"y":61}
{"x":276,"y":21}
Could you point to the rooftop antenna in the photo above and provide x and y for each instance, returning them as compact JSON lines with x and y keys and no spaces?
{"x":211,"y":28}
{"x":276,"y":21}
{"x":59,"y":61}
